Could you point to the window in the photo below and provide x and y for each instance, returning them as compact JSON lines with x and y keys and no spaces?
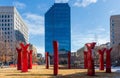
{"x":5,"y":32}
{"x":112,"y":24}
{"x":113,"y":42}
{"x":112,"y":20}
{"x":2,"y":16}
{"x":5,"y":16}
{"x":8,"y":16}
{"x":8,"y":20}
{"x":8,"y":24}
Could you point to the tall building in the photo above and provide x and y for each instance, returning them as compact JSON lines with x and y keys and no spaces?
{"x":12,"y":27}
{"x":115,"y":29}
{"x":115,"y":37}
{"x":58,"y":27}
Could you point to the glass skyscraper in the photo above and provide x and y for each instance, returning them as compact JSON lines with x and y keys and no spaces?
{"x":58,"y":27}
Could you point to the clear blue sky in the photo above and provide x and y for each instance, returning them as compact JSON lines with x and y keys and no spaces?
{"x":89,"y":19}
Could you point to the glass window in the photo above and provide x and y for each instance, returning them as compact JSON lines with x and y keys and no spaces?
{"x":5,"y":32}
{"x":8,"y":20}
{"x":2,"y":16}
{"x":113,"y":42}
{"x":8,"y":16}
{"x":8,"y":24}
{"x":5,"y":16}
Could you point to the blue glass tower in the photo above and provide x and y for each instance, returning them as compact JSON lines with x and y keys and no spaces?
{"x":58,"y":27}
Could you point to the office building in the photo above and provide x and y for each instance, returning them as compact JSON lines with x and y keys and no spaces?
{"x":12,"y":27}
{"x":115,"y":37}
{"x":58,"y":27}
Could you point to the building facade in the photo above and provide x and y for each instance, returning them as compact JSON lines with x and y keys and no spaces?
{"x":115,"y":29}
{"x":115,"y":37}
{"x":12,"y":27}
{"x":58,"y":27}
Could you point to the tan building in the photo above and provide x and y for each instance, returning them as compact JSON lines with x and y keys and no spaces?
{"x":115,"y":37}
{"x":12,"y":31}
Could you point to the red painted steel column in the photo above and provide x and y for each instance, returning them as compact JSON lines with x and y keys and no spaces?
{"x":69,"y":61}
{"x":108,"y":60}
{"x":91,"y":70}
{"x":30,"y":59}
{"x":24,"y":57}
{"x":85,"y":60}
{"x":101,"y":59}
{"x":47,"y":61}
{"x":19,"y":59}
{"x":55,"y":45}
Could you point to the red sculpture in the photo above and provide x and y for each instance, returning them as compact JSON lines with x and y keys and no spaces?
{"x":85,"y":60}
{"x":19,"y":59}
{"x":24,"y":57}
{"x":101,"y":58}
{"x":30,"y":59}
{"x":55,"y":46}
{"x":47,"y":61}
{"x":69,"y":62}
{"x":90,"y":47}
{"x":108,"y":60}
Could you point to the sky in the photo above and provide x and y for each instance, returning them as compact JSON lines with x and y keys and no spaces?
{"x":90,"y":19}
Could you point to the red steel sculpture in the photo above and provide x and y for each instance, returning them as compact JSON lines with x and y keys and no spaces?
{"x":47,"y":60}
{"x":108,"y":60}
{"x":19,"y":59}
{"x":90,"y":56}
{"x":55,"y":46}
{"x":101,"y":59}
{"x":24,"y":57}
{"x":69,"y":57}
{"x":30,"y":59}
